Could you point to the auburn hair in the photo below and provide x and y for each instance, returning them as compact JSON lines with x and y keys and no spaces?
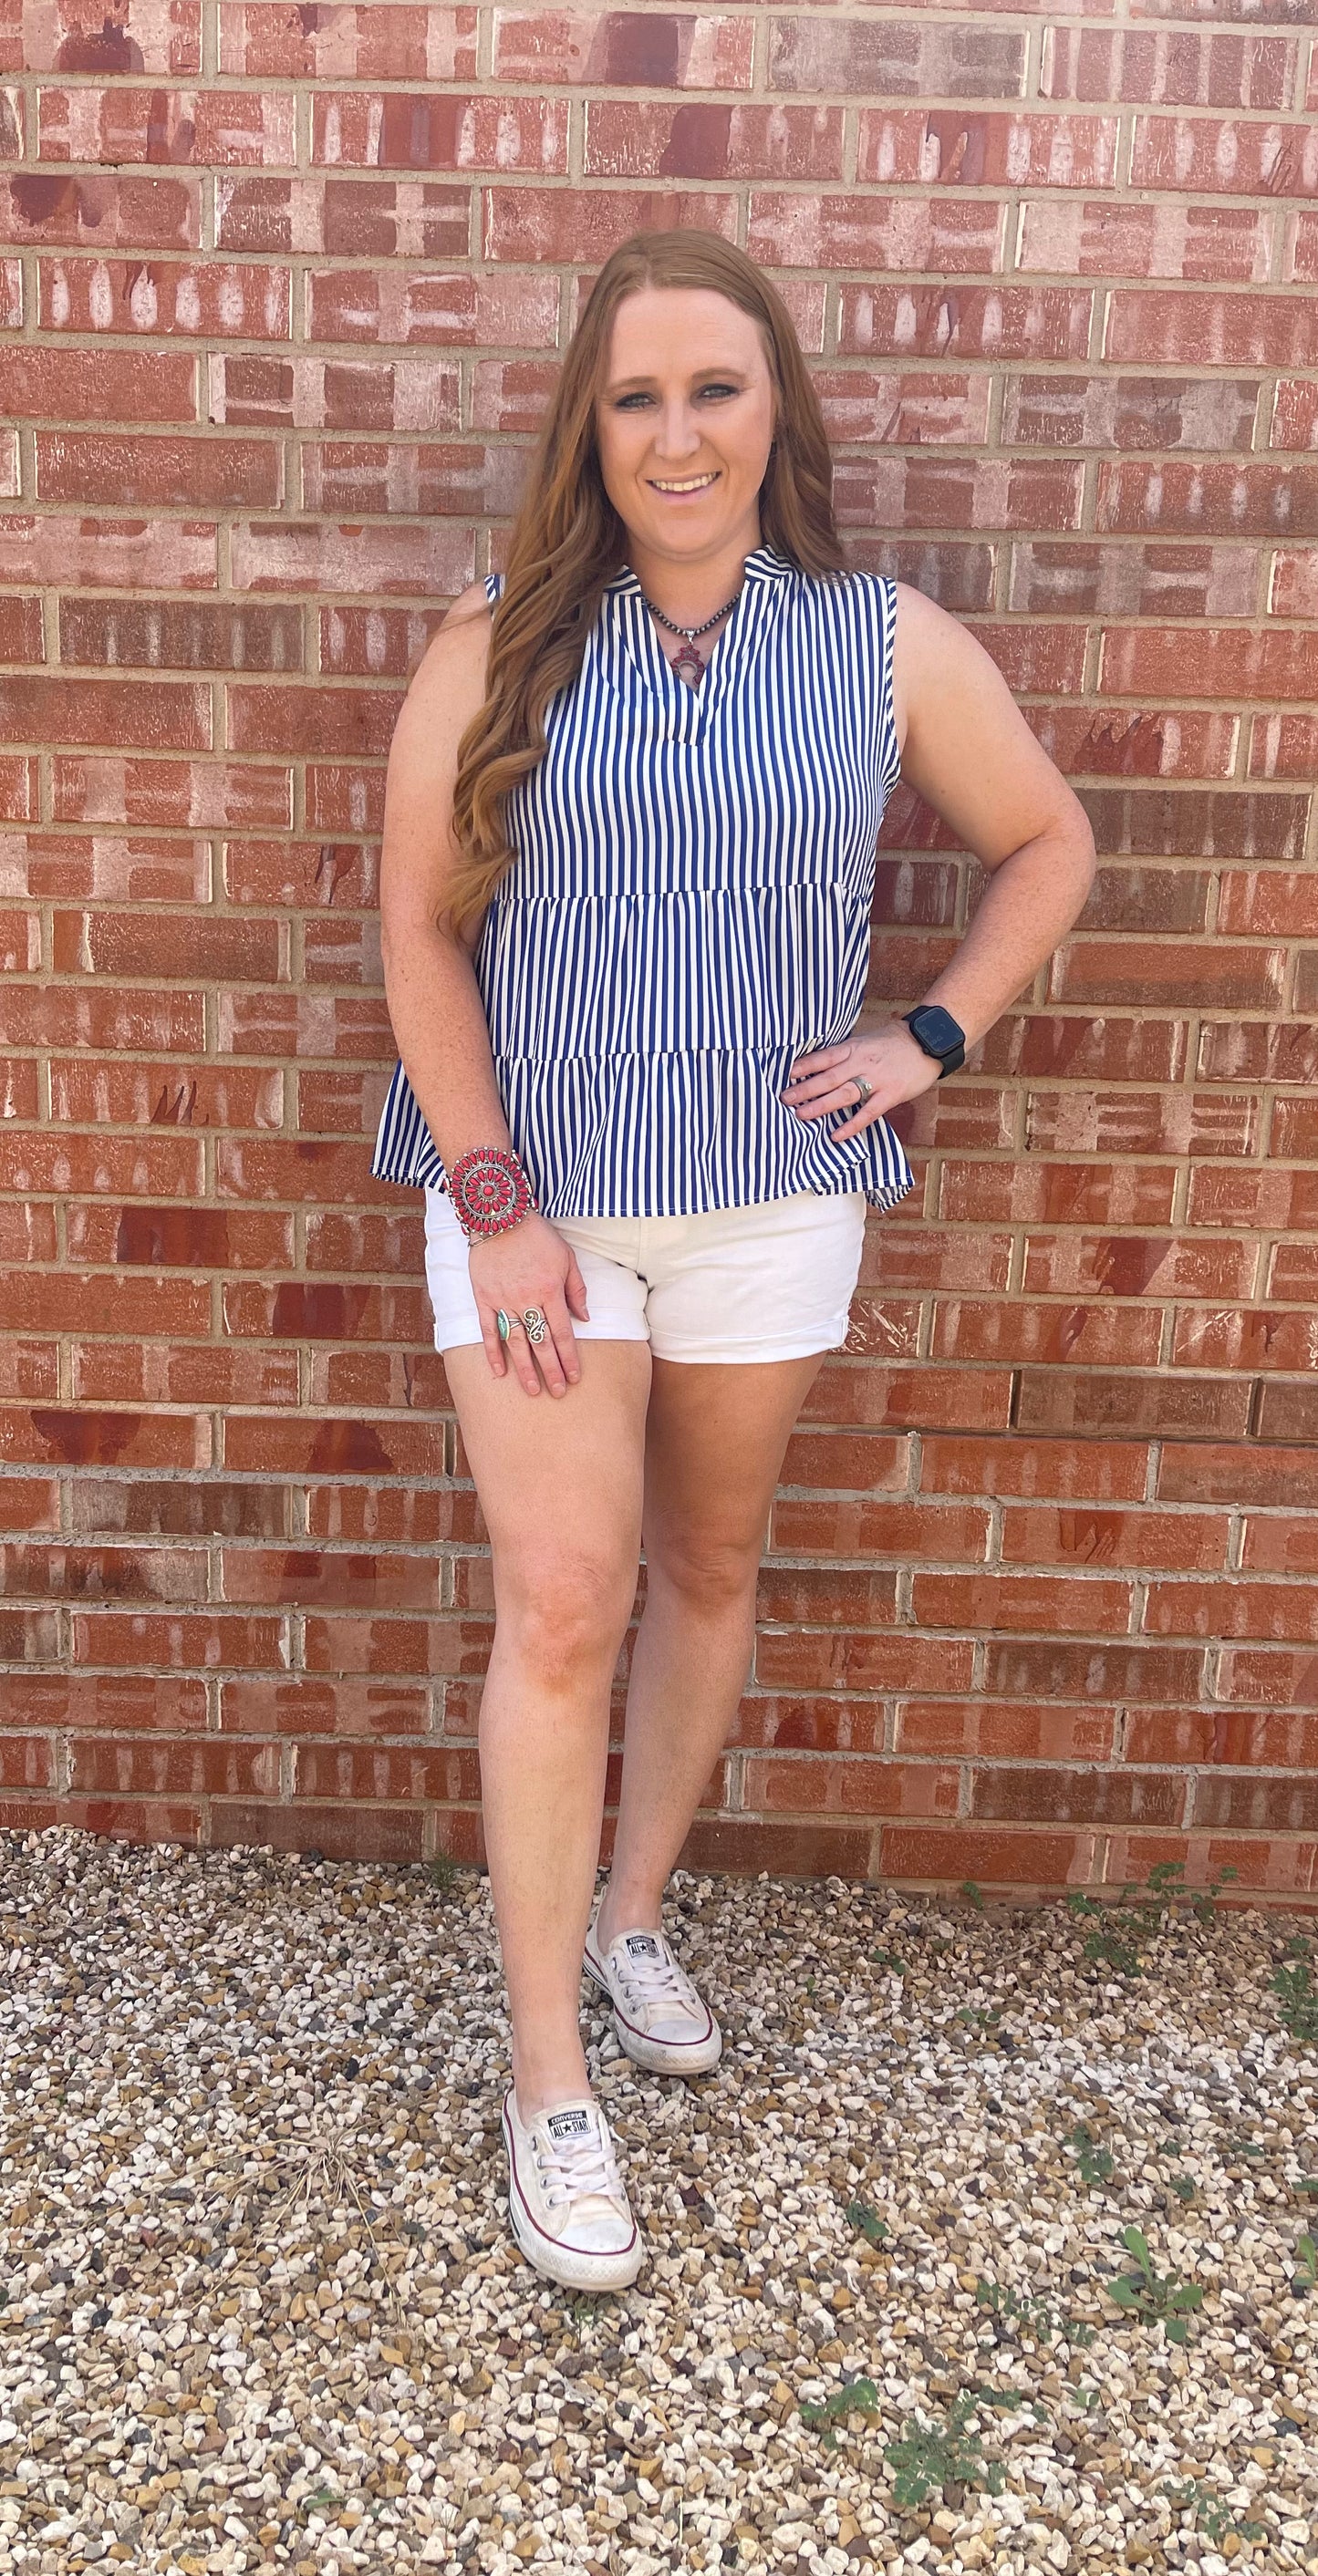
{"x":568,"y":541}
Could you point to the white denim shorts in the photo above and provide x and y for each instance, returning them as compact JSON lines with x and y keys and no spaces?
{"x":769,"y":1282}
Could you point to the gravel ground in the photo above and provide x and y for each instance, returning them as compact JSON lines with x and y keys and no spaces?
{"x":260,"y":2308}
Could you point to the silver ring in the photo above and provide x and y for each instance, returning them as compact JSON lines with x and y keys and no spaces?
{"x":505,"y":1323}
{"x":863,"y":1087}
{"x":536,"y":1327}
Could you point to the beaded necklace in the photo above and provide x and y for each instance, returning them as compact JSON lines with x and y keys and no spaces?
{"x":689,"y":664}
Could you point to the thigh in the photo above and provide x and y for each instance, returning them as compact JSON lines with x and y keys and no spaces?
{"x":559,"y":1478}
{"x":715,"y":1439}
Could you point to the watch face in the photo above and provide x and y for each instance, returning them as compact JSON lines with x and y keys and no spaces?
{"x":937,"y":1028}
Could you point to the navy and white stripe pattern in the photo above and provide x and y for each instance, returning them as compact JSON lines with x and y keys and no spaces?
{"x":689,"y":910}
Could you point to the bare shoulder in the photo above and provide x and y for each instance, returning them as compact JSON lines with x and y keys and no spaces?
{"x":470,"y":607}
{"x":965,"y":745}
{"x":916,"y":632}
{"x":463,"y":631}
{"x":451,"y":671}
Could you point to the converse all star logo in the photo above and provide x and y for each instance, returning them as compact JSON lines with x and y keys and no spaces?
{"x":567,"y":2124}
{"x":642,"y":1945}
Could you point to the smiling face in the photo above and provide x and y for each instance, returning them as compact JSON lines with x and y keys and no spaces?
{"x":687,"y":400}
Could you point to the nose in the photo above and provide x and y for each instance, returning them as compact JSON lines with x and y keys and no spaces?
{"x":678,"y":434}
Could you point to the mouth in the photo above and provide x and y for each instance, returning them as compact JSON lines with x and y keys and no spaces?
{"x":682,"y":488}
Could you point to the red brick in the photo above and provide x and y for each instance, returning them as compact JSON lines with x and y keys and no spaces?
{"x":432,"y":308}
{"x":1255,"y":330}
{"x":742,"y":1847}
{"x":29,"y":1503}
{"x":1064,"y":1470}
{"x":1214,"y":976}
{"x":377,"y":1774}
{"x":301,"y":1705}
{"x":947,"y":1534}
{"x":342,"y":1578}
{"x":91,"y":384}
{"x":152,"y":1767}
{"x":347,"y":1832}
{"x":160,"y":1307}
{"x":193,"y":473}
{"x":1077,"y":1400}
{"x":1281,"y":1543}
{"x":1092,"y":1335}
{"x":810,"y":1725}
{"x":1084,"y":1534}
{"x":990,"y":1601}
{"x":95,"y":210}
{"x":201,"y":126}
{"x":855,"y":1785}
{"x":1257,"y":1806}
{"x":939,"y":1855}
{"x":1231,"y":1472}
{"x":152,"y":1165}
{"x":161,"y":42}
{"x":144,"y":1507}
{"x":135,"y":1372}
{"x":624,"y":141}
{"x":157,"y":793}
{"x":139,"y":715}
{"x":187,"y":299}
{"x":1041,"y":1794}
{"x":1288,"y":1611}
{"x":541,"y":225}
{"x":77,"y":1436}
{"x":1006,"y":1730}
{"x":398,"y":130}
{"x":189,"y":1642}
{"x":105,"y":1703}
{"x":158,"y":944}
{"x":624,"y":48}
{"x":873,"y":1660}
{"x":29,"y":1370}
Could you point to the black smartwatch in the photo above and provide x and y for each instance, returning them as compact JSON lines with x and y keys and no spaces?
{"x":936,"y":1031}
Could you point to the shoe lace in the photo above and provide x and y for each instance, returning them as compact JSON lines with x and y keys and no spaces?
{"x":655,"y":1980}
{"x":578,"y":2167}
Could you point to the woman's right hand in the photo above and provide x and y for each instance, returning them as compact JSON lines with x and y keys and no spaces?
{"x":529,"y":1264}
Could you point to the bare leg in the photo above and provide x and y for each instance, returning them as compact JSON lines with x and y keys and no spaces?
{"x":560,"y":1488}
{"x":716,"y":1435}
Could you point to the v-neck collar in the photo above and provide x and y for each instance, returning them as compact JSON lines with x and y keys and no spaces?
{"x":687,"y":711}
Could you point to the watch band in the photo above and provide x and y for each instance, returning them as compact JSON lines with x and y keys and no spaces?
{"x":941,"y":1037}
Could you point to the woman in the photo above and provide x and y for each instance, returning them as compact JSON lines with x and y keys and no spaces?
{"x":627,"y":873}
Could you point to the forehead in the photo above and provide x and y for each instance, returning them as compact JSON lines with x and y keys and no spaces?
{"x":683,"y":326}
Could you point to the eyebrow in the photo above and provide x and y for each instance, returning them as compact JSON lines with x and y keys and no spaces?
{"x":621,"y":384}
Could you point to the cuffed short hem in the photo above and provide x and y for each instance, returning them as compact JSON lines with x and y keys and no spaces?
{"x":732,"y":1354}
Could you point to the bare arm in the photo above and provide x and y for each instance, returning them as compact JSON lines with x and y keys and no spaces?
{"x":968,"y":749}
{"x":975,"y":760}
{"x":430,"y":984}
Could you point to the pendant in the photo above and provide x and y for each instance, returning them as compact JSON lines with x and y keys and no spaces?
{"x":688,"y":664}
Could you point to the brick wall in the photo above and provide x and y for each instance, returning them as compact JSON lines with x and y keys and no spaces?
{"x":281,"y":290}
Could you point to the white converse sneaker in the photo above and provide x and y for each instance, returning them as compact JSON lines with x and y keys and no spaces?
{"x":567,"y":2202}
{"x":661,"y":2021}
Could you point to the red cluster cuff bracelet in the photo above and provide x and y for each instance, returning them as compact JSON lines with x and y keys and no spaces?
{"x":489,"y":1190}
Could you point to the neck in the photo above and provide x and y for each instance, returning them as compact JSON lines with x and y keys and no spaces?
{"x":687,"y":588}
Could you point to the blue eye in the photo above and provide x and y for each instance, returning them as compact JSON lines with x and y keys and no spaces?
{"x":626,"y":399}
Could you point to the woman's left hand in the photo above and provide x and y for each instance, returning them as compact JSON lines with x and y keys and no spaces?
{"x":892,"y":1061}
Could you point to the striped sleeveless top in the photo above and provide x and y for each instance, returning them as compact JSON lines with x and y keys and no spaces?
{"x":688,"y":910}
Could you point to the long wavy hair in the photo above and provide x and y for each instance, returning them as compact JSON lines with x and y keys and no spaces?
{"x":568,"y":541}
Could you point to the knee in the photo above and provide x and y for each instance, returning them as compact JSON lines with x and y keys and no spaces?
{"x":710,"y":1577}
{"x":565,"y":1616}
